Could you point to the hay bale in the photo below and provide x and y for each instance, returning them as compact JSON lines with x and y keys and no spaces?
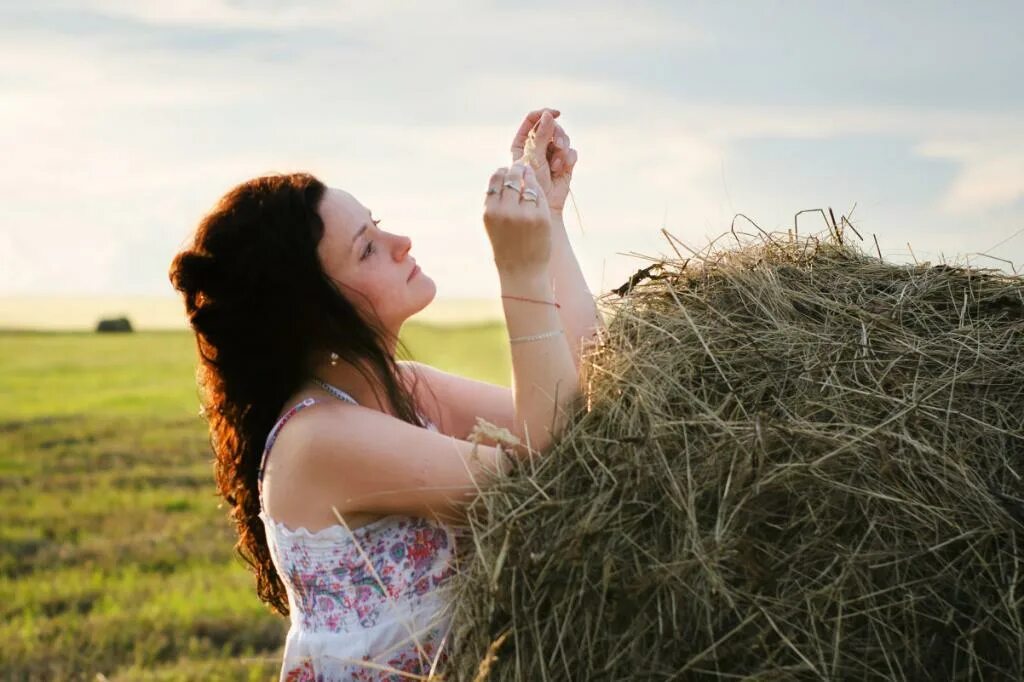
{"x":792,"y":461}
{"x":116,"y":324}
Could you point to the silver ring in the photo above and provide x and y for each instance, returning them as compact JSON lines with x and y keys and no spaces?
{"x":528,"y":192}
{"x":511,"y":185}
{"x":492,"y":190}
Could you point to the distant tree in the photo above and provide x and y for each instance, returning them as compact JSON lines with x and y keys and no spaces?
{"x":116,"y":324}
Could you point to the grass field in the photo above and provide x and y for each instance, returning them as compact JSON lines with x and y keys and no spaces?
{"x":116,"y":560}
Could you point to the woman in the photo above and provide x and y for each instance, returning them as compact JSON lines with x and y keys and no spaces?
{"x":349,"y":517}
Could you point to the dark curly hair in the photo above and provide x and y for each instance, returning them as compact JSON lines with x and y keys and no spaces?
{"x":262,"y":307}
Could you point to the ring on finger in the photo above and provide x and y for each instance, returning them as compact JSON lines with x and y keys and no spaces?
{"x":511,"y":184}
{"x":529,"y":194}
{"x":493,"y":190}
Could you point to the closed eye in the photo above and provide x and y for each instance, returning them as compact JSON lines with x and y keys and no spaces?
{"x":369,"y":246}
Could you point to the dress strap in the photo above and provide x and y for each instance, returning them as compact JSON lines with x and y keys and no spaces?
{"x":273,"y":437}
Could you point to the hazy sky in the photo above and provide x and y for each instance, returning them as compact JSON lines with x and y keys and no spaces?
{"x":122,"y":121}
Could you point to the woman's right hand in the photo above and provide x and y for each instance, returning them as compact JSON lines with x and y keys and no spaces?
{"x":519,"y":227}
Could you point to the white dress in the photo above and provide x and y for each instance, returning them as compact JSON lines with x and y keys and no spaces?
{"x":365,"y":605}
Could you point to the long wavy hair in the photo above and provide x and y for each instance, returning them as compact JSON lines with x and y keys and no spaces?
{"x":262,"y":308}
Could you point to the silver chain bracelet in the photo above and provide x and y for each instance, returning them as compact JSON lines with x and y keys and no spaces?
{"x":536,"y":337}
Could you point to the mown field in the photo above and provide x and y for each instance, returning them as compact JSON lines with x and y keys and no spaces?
{"x":116,"y":560}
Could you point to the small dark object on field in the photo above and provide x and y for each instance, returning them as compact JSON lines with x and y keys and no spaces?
{"x":117,"y":324}
{"x":791,"y":460}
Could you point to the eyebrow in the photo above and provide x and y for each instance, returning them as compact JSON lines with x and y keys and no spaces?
{"x":359,"y":232}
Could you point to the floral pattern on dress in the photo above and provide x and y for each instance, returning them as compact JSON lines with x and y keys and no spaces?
{"x":410,"y":660}
{"x":338,"y":586}
{"x":303,"y":673}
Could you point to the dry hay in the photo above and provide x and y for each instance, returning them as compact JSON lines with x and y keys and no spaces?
{"x":792,"y":461}
{"x":530,"y":154}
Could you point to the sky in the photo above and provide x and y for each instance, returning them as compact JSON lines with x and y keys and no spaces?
{"x":123,"y":121}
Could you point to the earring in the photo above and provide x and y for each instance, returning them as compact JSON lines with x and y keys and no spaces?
{"x":334,"y":359}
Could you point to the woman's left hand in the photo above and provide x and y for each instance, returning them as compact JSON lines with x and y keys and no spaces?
{"x":554,"y":158}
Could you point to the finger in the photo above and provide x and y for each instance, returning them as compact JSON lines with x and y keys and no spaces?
{"x":514,"y":178}
{"x":529,"y":123}
{"x":497,"y":177}
{"x":561,"y":138}
{"x":545,"y":130}
{"x":558,"y":153}
{"x":568,"y":164}
{"x":556,"y":148}
{"x":530,"y":181}
{"x":563,"y":162}
{"x":542,"y":137}
{"x":519,"y":140}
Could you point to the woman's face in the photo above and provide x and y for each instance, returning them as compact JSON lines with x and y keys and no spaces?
{"x":371,"y":265}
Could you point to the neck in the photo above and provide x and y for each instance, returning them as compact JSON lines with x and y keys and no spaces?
{"x":347,"y":376}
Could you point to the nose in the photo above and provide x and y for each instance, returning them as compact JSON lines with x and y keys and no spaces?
{"x":402,"y":246}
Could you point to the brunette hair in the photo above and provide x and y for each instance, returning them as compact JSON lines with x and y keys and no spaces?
{"x":261,"y":307}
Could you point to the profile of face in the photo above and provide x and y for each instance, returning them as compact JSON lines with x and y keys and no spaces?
{"x":371,"y":266}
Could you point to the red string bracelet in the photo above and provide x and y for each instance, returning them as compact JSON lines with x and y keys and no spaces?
{"x":532,"y":300}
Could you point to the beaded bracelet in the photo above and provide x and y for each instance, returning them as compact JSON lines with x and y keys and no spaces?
{"x":533,"y":300}
{"x":536,"y":337}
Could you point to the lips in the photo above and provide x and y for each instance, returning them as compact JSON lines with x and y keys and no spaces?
{"x":412,"y":274}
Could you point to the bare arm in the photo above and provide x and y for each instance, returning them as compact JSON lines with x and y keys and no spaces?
{"x":544,"y":376}
{"x":554,"y":160}
{"x":578,"y":311}
{"x":461,"y":400}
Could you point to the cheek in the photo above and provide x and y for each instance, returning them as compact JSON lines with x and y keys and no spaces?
{"x":380,"y":286}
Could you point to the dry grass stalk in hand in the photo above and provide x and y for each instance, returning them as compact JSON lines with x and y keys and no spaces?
{"x":531,"y":156}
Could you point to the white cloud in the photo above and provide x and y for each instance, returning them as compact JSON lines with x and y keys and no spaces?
{"x":132,"y":147}
{"x":509,"y":29}
{"x":988,"y":145}
{"x":991,"y":173}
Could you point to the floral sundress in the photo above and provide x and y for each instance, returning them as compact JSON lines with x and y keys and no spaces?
{"x":366,"y":605}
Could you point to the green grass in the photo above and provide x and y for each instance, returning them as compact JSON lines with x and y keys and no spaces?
{"x":115,"y":554}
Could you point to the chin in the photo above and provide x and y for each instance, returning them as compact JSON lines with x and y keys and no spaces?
{"x":427,"y":286}
{"x":421,"y":290}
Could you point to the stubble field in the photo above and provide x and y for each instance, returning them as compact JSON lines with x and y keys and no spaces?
{"x":116,"y":560}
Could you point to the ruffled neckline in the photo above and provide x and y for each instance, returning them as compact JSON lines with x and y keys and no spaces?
{"x":331,"y":533}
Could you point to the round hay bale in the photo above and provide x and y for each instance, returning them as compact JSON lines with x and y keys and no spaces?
{"x":791,"y":461}
{"x":117,"y":324}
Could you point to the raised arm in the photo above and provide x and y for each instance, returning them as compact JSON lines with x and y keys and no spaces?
{"x":544,"y":376}
{"x":544,"y":144}
{"x":577,"y":308}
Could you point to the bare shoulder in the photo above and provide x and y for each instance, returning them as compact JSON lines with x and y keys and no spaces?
{"x":367,"y":461}
{"x":290,"y":493}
